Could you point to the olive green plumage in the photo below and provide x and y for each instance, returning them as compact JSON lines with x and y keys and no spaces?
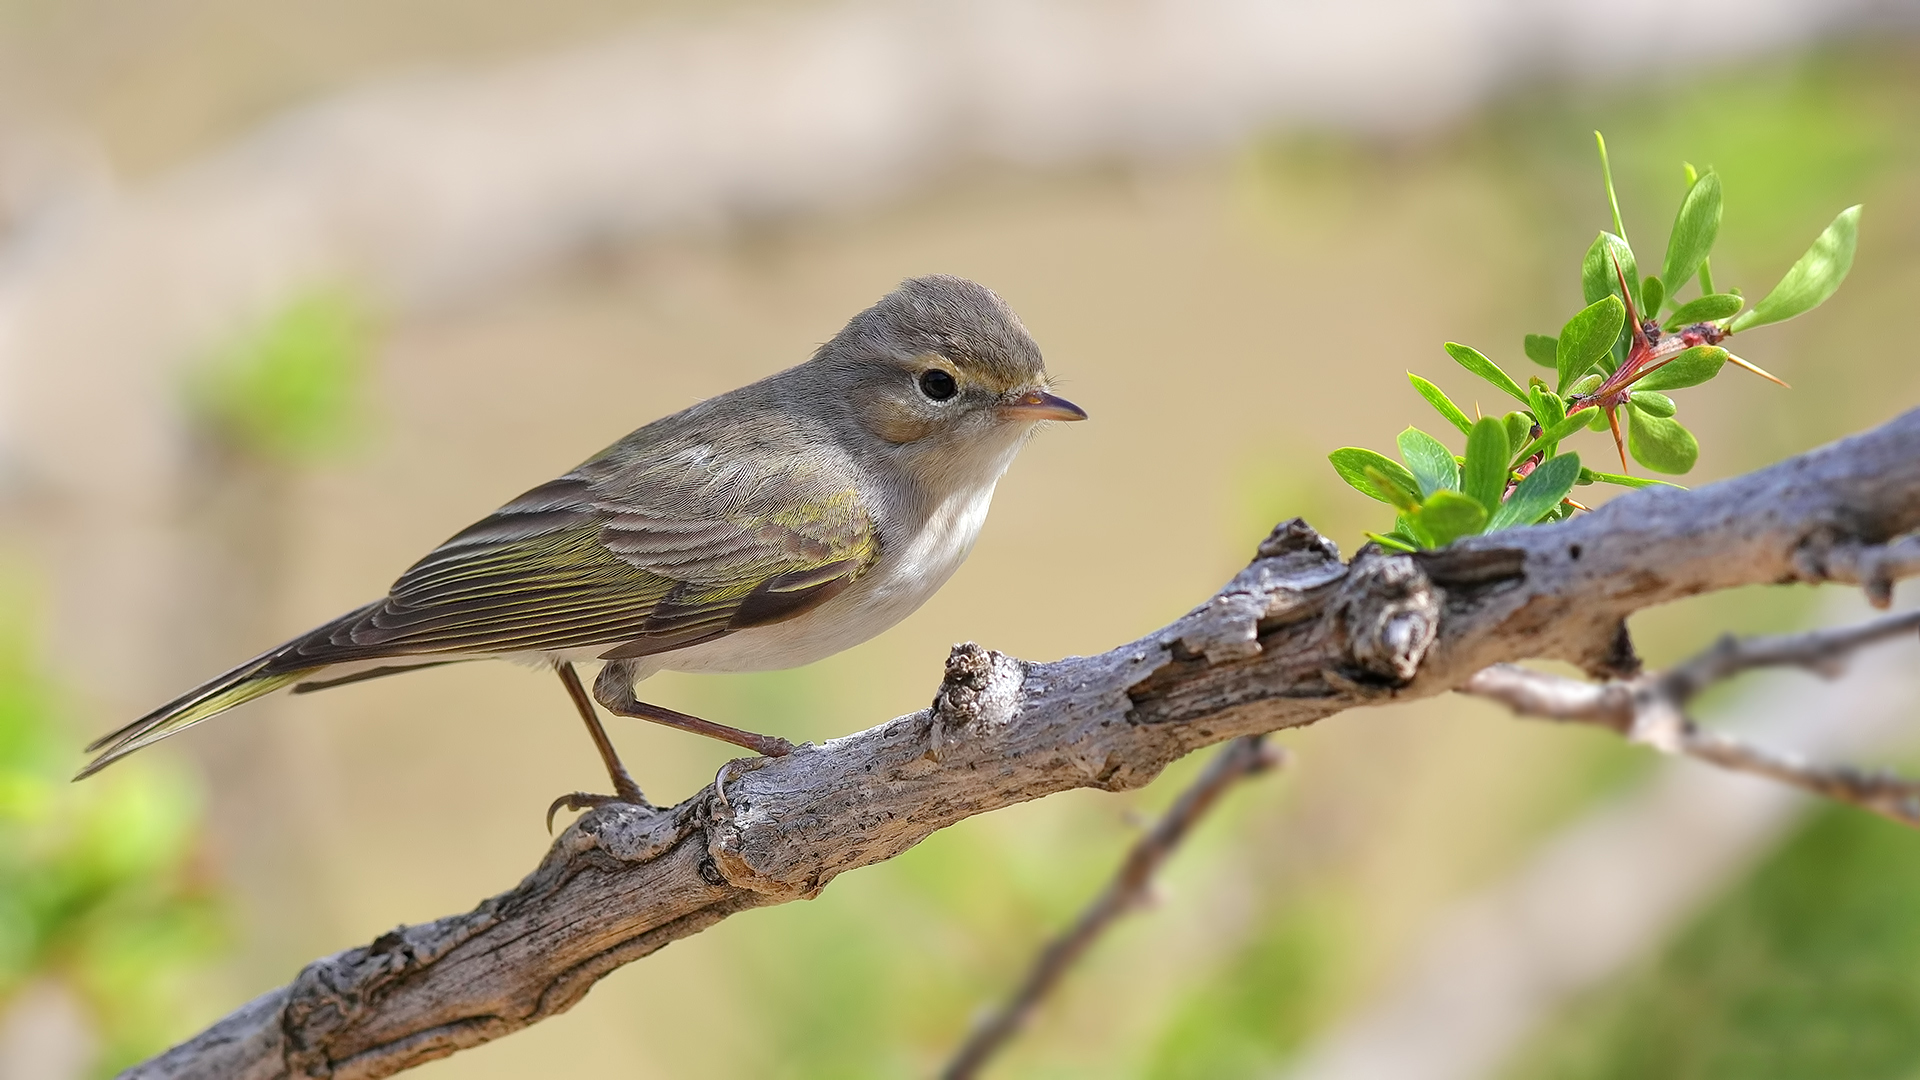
{"x":745,"y":512}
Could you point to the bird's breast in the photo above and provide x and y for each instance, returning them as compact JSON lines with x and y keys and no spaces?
{"x":910,"y":569}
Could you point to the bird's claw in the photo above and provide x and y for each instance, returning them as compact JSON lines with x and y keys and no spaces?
{"x":728,"y":769}
{"x":581,"y":800}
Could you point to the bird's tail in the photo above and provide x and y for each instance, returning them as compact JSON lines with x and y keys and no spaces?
{"x":250,"y":680}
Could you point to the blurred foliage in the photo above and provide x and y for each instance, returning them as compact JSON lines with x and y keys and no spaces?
{"x":1267,"y":997}
{"x":1811,"y":967}
{"x":286,"y":389}
{"x":101,"y":885}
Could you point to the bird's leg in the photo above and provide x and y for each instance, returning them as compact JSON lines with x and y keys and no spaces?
{"x":614,"y":689}
{"x":625,"y":790}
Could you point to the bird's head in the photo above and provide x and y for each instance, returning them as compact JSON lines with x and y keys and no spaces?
{"x":942,"y":370}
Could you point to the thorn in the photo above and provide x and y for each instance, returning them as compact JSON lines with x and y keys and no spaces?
{"x":1476,"y":410}
{"x":1577,"y":505}
{"x":1633,"y":317}
{"x":1758,"y":370}
{"x":1613,"y":421}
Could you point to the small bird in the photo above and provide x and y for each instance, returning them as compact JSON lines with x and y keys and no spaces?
{"x":764,"y":528}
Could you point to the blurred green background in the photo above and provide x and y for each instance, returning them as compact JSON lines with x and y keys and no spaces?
{"x":1226,"y":317}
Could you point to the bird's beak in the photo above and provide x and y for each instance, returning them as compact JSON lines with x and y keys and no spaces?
{"x":1040,"y":405}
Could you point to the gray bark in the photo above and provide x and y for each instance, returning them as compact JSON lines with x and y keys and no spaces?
{"x":1295,"y":637}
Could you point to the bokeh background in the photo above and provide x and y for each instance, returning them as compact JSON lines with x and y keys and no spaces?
{"x":290,"y":291}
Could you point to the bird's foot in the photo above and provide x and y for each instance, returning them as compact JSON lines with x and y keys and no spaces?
{"x":581,"y":800}
{"x":771,"y":745}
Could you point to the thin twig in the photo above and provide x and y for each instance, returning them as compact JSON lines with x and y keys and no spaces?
{"x":1651,"y":709}
{"x":1238,"y":760}
{"x":1823,"y":652}
{"x":1892,"y":797}
{"x":1873,"y":567}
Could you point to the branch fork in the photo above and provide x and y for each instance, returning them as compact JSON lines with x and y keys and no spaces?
{"x":1651,"y":709}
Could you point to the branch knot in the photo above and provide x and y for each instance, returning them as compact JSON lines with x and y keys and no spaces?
{"x":977,"y":694}
{"x":1389,"y":614}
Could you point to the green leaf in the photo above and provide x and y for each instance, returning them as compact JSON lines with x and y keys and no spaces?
{"x":1519,"y":428}
{"x":1566,"y":426}
{"x":1471,"y":359}
{"x":1606,"y":176}
{"x":1548,"y":409}
{"x":1404,"y":501}
{"x":1691,"y":368}
{"x":1587,"y":337}
{"x":1449,"y":515}
{"x":1652,"y":294}
{"x":1811,"y":280}
{"x":1588,"y":476}
{"x":1540,"y":349}
{"x":1485,"y":475}
{"x":1709,"y":308}
{"x":1694,"y":229}
{"x":1408,"y":525}
{"x":1430,"y":461}
{"x":1394,"y":541}
{"x":1651,"y":403}
{"x":1352,"y":463}
{"x":1597,"y":278}
{"x":1598,"y":421}
{"x":1661,"y":444}
{"x":1538,"y":494}
{"x":1441,"y":402}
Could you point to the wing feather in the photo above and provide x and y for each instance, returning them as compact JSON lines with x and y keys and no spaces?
{"x":638,"y":557}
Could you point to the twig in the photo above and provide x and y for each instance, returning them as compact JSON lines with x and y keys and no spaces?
{"x":1823,"y":652}
{"x":1652,"y":709}
{"x":1873,"y":567}
{"x":1129,"y":889}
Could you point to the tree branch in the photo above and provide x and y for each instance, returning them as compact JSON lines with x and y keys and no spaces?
{"x":1242,"y":758}
{"x":1295,"y":637}
{"x":1651,"y":709}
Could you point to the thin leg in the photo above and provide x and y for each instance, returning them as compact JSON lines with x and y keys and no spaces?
{"x":623,"y":784}
{"x":625,"y":790}
{"x":614,"y":689}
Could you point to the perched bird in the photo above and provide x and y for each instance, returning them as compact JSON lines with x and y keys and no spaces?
{"x":765,"y":528}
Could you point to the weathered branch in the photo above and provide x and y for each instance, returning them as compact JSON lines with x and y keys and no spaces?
{"x":1295,"y":637}
{"x":1242,"y":758}
{"x":1651,"y":709}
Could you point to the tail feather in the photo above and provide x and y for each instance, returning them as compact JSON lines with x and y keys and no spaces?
{"x":285,"y":663}
{"x":237,"y":687}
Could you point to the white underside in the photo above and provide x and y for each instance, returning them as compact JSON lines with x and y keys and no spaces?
{"x":906,"y":575}
{"x":897,"y":585}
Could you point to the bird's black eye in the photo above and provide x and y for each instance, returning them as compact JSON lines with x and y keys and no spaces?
{"x":938,"y":384}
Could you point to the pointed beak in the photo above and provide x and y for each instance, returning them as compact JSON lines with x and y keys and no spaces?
{"x":1040,"y":405}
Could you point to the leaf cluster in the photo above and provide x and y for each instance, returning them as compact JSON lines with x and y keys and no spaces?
{"x":1612,"y":363}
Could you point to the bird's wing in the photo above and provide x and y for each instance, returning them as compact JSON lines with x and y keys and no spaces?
{"x":637,"y":557}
